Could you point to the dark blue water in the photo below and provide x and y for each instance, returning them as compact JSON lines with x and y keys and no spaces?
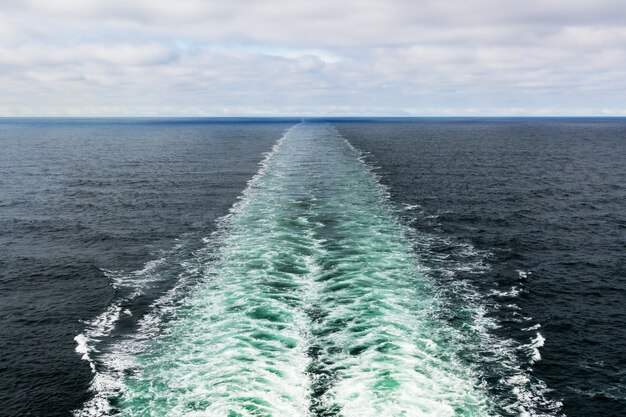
{"x":522,"y":219}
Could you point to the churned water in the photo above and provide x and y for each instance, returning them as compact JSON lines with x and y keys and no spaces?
{"x":367,"y":268}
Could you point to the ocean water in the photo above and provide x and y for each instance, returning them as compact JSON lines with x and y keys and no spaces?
{"x":341,"y":267}
{"x":88,"y":210}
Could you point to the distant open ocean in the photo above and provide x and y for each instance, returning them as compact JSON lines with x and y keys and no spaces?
{"x":317,"y":267}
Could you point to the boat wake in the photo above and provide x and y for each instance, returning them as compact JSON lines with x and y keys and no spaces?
{"x":313,"y":303}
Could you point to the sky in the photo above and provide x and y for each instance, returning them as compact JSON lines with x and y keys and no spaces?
{"x":312,"y":58}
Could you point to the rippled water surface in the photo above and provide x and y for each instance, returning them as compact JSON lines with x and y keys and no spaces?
{"x":319,"y":268}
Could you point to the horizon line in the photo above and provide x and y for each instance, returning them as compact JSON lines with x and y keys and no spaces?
{"x":566,"y":116}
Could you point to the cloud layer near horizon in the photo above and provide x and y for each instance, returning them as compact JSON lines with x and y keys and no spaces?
{"x":271,"y":57}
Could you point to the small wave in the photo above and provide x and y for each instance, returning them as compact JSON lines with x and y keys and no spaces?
{"x":512,"y":292}
{"x":411,"y":207}
{"x":95,"y":331}
{"x":531,"y":328}
{"x":535,"y":344}
{"x":136,"y":279}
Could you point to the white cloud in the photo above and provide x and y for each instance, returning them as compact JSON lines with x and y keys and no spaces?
{"x":239,"y":57}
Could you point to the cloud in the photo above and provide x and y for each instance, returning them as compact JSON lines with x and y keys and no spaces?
{"x":194,"y":57}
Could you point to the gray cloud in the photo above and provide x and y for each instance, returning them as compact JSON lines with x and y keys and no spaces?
{"x":194,"y":57}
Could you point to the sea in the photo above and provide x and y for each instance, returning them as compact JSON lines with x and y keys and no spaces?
{"x":317,"y":267}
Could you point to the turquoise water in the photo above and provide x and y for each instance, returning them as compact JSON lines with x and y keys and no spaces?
{"x":315,"y":305}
